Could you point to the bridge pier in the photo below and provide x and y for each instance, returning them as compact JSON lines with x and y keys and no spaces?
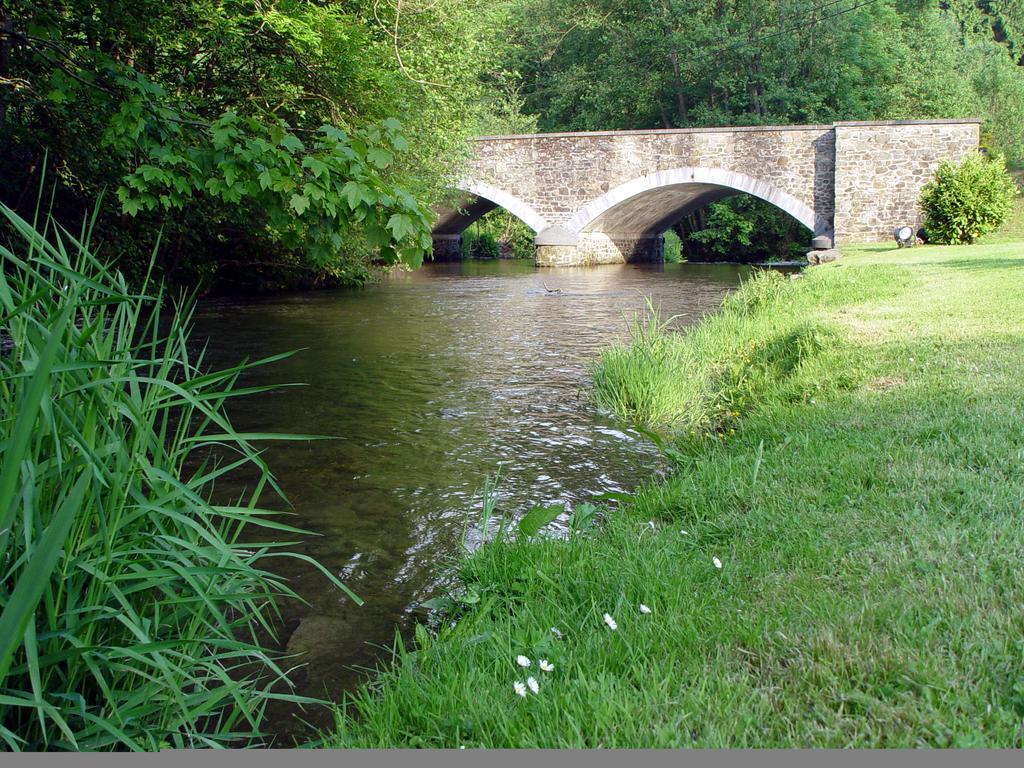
{"x":592,"y":248}
{"x":447,"y":247}
{"x":601,"y":248}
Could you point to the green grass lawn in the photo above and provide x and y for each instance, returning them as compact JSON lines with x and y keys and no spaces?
{"x":863,"y":489}
{"x":1012,"y":230}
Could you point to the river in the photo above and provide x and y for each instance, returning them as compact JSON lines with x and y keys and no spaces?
{"x":428,"y":383}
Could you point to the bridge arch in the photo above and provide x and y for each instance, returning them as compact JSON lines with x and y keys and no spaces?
{"x":650,"y":204}
{"x":486,"y":197}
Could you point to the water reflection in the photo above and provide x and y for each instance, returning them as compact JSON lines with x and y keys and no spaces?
{"x":428,"y":383}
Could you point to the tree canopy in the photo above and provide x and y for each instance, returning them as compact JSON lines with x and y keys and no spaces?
{"x":615,"y":64}
{"x":296,"y":131}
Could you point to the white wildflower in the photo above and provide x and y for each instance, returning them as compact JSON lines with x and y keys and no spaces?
{"x":556,"y":633}
{"x":610,"y":621}
{"x":684,"y":533}
{"x":522,"y":661}
{"x":546,"y":666}
{"x":520,"y":688}
{"x":717,"y":562}
{"x":651,"y":523}
{"x":644,"y":608}
{"x":532,"y":682}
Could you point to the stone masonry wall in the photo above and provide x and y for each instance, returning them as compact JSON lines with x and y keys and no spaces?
{"x":598,"y":248}
{"x":881,"y":168}
{"x":447,"y":247}
{"x":556,"y":174}
{"x":859,"y":179}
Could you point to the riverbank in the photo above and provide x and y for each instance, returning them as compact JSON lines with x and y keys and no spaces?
{"x":866,"y":515}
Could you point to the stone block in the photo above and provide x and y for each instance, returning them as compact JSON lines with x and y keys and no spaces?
{"x":823,"y":257}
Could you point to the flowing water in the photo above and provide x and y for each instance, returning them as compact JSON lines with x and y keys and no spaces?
{"x":428,"y":383}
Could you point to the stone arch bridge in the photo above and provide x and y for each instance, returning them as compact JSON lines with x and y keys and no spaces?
{"x":608,"y":196}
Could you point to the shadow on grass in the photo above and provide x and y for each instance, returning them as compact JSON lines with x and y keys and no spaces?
{"x":873,"y":248}
{"x":978,"y":263}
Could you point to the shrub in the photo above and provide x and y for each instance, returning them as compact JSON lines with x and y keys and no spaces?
{"x":965,"y":201}
{"x":498,"y":234}
{"x":480,"y":245}
{"x":742,"y":228}
{"x":673,"y":247}
{"x":131,"y":603}
{"x":514,"y":236}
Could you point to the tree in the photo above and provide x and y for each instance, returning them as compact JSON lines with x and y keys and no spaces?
{"x":265,"y":129}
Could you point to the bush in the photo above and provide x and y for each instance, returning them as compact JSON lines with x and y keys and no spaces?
{"x":498,"y":234}
{"x":742,"y":228}
{"x":673,"y":248}
{"x":965,"y":201}
{"x":514,"y":237}
{"x":480,"y":245}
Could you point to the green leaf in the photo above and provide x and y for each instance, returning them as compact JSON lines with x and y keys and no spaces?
{"x":413,"y":257}
{"x":32,"y":401}
{"x":318,"y":167}
{"x":659,"y":441}
{"x":312,"y":191}
{"x":292,"y":142}
{"x":131,"y":206}
{"x":283,"y":184}
{"x":334,"y":133}
{"x":401,"y":225}
{"x":438,"y":604}
{"x":582,"y":517}
{"x":355,"y":193}
{"x":625,"y":498}
{"x":377,"y":236}
{"x":379,"y":157}
{"x":299,"y":203}
{"x":151,"y":173}
{"x":35,"y":578}
{"x":537,"y":518}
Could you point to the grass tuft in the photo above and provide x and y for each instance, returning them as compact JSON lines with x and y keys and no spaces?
{"x":771,"y":340}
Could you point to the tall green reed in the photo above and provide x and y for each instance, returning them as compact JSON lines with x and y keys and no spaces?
{"x":132,"y":606}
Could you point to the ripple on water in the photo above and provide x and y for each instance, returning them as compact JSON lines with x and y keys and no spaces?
{"x":432,"y":381}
